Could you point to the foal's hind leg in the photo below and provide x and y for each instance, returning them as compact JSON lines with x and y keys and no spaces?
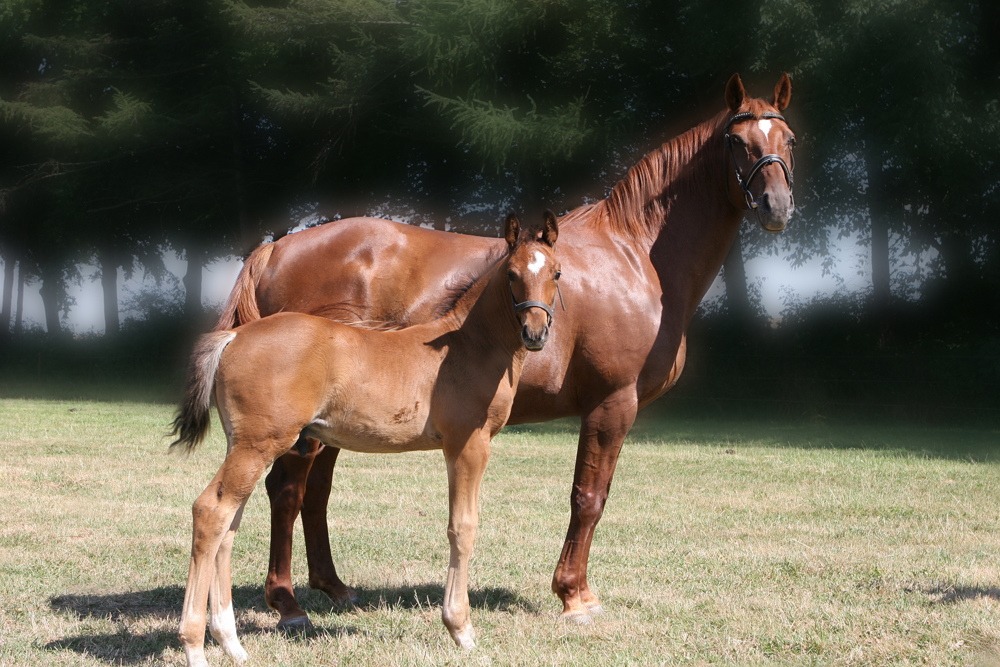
{"x":222,"y":620}
{"x":214,"y":514}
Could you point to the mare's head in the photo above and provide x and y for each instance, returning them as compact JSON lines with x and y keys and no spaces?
{"x":759,"y":154}
{"x":532,"y":270}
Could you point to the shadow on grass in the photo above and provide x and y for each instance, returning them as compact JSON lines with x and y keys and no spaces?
{"x":947,"y":594}
{"x":421,"y":596}
{"x":127,"y":647}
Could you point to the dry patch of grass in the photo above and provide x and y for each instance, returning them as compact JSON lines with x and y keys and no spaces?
{"x":737,"y":544}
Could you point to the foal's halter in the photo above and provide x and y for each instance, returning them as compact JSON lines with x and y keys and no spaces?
{"x":758,"y":165}
{"x":524,"y":305}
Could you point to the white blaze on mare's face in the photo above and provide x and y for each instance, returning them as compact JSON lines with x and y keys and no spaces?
{"x":537,"y":265}
{"x":765,"y":127}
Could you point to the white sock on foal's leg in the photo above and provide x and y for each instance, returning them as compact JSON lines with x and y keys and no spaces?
{"x":223,"y":627}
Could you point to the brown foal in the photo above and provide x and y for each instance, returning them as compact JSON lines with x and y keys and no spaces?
{"x":447,"y":384}
{"x":638,"y":264}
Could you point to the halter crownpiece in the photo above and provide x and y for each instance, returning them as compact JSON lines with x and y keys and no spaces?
{"x":759,"y":164}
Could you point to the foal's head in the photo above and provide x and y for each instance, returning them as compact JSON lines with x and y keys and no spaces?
{"x":533,"y":270}
{"x":759,"y":154}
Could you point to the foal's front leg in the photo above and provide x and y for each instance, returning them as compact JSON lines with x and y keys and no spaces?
{"x":466,"y":465}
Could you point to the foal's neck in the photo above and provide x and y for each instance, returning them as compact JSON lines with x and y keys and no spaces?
{"x":485,"y":315}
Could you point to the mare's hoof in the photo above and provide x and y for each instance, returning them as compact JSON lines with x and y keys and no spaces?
{"x":339,"y":596}
{"x":294,"y":624}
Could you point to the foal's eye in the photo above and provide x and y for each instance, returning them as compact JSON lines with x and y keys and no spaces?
{"x":558,"y":273}
{"x":511,"y":277}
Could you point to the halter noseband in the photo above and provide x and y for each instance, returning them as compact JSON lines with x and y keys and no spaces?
{"x":524,"y":305}
{"x":758,"y":165}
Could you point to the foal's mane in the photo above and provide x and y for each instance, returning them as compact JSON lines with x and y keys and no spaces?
{"x":636,"y":205}
{"x":463,"y":282}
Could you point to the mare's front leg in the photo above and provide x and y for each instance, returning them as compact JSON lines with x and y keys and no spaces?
{"x":602,"y":433}
{"x":466,"y":465}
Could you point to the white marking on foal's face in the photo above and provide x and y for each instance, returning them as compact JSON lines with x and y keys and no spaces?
{"x":765,"y":127}
{"x":537,"y":265}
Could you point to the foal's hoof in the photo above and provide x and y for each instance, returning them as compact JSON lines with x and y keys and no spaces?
{"x":465,"y":638}
{"x":578,"y":617}
{"x":294,"y":624}
{"x":595,"y":610}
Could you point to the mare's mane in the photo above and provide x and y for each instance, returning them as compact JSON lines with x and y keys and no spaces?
{"x":636,"y":205}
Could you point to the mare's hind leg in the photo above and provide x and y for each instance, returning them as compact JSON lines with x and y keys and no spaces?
{"x":222,"y":620}
{"x":214,"y":514}
{"x":601,"y":436}
{"x":322,"y":573}
{"x":285,"y":485}
{"x":465,"y":473}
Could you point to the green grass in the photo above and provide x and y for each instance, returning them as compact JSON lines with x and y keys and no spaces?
{"x":735,"y":543}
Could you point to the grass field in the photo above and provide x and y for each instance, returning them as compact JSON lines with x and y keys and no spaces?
{"x":723,"y":543}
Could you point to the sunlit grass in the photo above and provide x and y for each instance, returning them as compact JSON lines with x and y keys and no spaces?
{"x":728,"y":543}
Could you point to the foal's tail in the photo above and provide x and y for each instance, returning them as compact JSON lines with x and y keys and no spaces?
{"x":242,"y":304}
{"x":194,"y":415}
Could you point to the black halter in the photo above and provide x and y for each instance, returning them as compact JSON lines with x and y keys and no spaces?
{"x":524,"y":305}
{"x":758,"y":165}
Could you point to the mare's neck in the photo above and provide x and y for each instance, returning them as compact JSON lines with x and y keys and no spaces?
{"x":673,"y":206}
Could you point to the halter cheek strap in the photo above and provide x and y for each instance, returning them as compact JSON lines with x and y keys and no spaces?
{"x":758,"y":165}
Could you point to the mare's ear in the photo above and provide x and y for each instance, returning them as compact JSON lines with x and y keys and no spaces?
{"x":511,"y":229}
{"x":783,"y":92}
{"x":735,"y":93}
{"x":550,"y":228}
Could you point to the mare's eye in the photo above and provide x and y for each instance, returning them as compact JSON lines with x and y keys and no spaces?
{"x":791,"y":142}
{"x":558,"y":273}
{"x":735,"y":138}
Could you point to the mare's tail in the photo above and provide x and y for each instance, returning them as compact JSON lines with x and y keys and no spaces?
{"x":194,"y":415}
{"x":242,"y":304}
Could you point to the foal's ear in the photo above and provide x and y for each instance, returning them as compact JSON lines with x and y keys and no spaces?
{"x":550,"y":228}
{"x":511,"y":229}
{"x":735,"y":93}
{"x":783,"y":92}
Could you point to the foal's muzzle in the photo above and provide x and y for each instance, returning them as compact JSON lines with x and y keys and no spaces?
{"x":534,"y":340}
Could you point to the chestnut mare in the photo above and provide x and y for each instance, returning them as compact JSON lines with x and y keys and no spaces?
{"x":638,"y":264}
{"x":447,"y":384}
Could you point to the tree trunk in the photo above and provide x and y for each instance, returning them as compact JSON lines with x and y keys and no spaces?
{"x":109,"y":284}
{"x":19,"y":311}
{"x":249,"y":235}
{"x":879,"y":223}
{"x":8,"y":294}
{"x":735,"y":275}
{"x":192,"y":283}
{"x":50,"y":292}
